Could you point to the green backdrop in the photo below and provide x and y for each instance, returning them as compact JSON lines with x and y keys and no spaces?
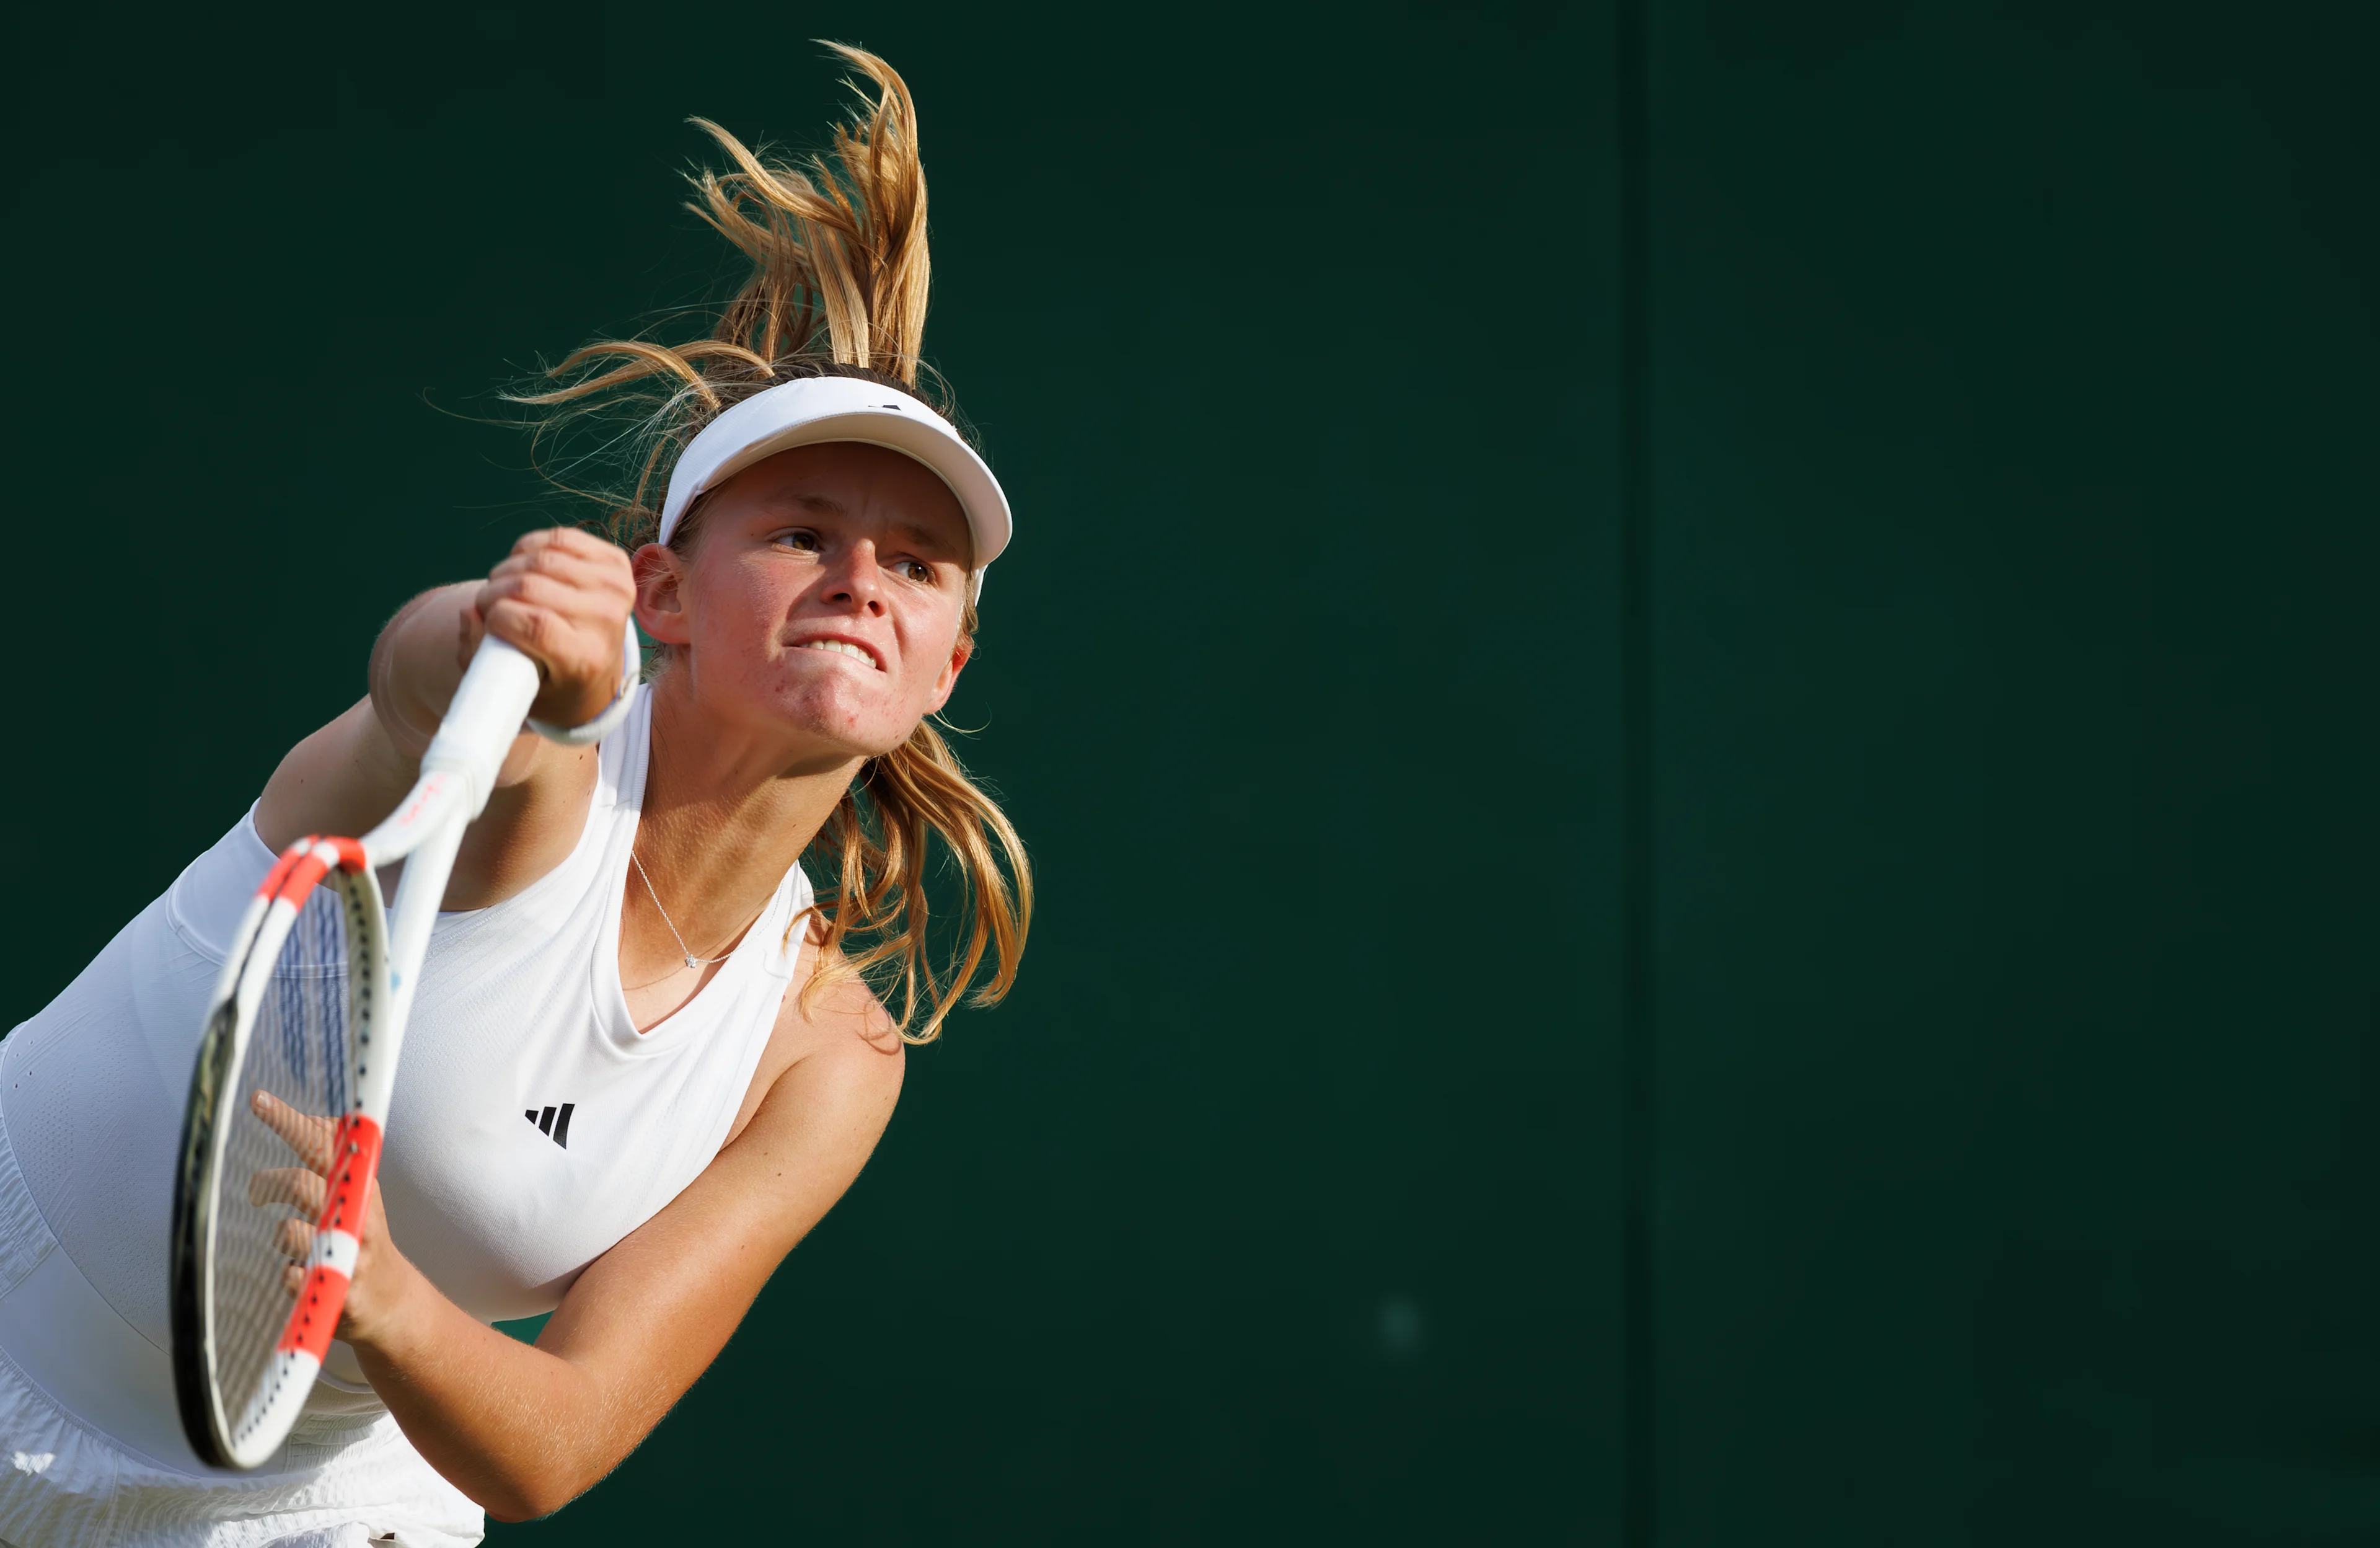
{"x":1687,"y":679}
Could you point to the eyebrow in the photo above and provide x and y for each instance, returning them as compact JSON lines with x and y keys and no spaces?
{"x":923,"y":536}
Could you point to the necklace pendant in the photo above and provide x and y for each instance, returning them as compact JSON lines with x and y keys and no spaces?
{"x":691,"y":962}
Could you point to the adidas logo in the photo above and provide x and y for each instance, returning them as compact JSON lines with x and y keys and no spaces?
{"x":553,"y":1122}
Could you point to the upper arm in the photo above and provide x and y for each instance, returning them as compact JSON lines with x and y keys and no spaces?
{"x":646,"y":1319}
{"x":351,"y":774}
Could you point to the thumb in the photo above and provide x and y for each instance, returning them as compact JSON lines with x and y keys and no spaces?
{"x":468,"y":627}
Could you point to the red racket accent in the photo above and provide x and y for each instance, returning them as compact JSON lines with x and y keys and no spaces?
{"x":355,"y":1150}
{"x":304,"y":877}
{"x":351,"y":854}
{"x":290,"y":857}
{"x":317,"y":1317}
{"x":431,"y":787}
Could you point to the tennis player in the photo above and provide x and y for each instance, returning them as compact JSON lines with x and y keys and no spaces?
{"x":645,"y":1057}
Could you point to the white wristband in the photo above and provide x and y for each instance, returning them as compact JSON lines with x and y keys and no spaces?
{"x":604,"y":722}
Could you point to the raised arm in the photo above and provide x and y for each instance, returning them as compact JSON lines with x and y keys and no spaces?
{"x":563,"y":597}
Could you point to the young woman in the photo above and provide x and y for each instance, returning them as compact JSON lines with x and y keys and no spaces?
{"x":630,"y":940}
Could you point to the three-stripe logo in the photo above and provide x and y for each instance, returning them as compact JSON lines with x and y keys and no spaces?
{"x":553,"y":1122}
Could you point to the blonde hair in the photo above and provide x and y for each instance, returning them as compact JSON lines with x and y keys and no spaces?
{"x":838,"y":288}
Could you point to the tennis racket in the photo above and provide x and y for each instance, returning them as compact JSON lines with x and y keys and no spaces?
{"x":282,"y":1136}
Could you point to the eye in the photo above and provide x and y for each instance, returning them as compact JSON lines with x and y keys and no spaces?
{"x":801,"y":540}
{"x":919,"y":571}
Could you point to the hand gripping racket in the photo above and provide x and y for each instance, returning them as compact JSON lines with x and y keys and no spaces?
{"x":282,"y":1136}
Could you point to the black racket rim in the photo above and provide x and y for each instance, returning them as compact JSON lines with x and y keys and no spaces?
{"x":208,"y":1118}
{"x":193,"y":1340}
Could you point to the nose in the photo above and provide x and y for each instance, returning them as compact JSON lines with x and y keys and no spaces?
{"x":854,"y":582}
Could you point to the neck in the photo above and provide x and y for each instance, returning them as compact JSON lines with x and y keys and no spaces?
{"x":727,"y":812}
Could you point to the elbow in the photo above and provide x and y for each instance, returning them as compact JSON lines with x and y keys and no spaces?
{"x":514,"y":1500}
{"x":512,"y":1506}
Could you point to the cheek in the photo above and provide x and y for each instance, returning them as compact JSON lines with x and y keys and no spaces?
{"x":741,"y":605}
{"x":926,"y":647}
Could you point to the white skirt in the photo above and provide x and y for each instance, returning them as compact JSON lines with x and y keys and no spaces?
{"x":65,"y":1482}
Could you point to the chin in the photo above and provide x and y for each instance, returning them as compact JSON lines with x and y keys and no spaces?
{"x":863,"y":731}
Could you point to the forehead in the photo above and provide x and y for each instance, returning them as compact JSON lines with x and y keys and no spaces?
{"x":853,"y":480}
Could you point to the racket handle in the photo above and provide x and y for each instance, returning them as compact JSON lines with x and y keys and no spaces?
{"x":485,"y":715}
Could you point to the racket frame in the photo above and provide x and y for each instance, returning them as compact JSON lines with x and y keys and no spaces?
{"x":385,"y":954}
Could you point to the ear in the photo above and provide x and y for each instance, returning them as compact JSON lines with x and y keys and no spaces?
{"x":660,"y":596}
{"x":961,"y":652}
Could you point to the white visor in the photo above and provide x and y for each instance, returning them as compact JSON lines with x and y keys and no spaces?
{"x":809,"y":409}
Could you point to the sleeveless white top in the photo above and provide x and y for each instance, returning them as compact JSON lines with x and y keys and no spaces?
{"x":532,"y":1126}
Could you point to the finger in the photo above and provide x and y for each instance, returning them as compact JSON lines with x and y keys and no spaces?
{"x":587,"y":564}
{"x":543,"y":538}
{"x":536,"y":631}
{"x":307,"y":1135}
{"x":293,"y":1279}
{"x":565,"y":540}
{"x":569,"y":645}
{"x":563,"y":594}
{"x":601,"y":578}
{"x":555,"y":545}
{"x":289,"y":1185}
{"x":598,"y":606}
{"x":295,"y":1239}
{"x":565,"y":544}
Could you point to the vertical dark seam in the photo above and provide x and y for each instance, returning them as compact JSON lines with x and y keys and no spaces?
{"x":1639,"y":1472}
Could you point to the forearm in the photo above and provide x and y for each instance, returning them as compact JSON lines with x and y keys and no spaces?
{"x":523,"y":1431}
{"x":520,"y":1431}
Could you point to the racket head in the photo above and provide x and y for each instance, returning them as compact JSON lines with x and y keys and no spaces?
{"x":261,"y":1190}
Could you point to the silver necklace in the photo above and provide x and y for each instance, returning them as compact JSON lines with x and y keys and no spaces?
{"x":691,"y":960}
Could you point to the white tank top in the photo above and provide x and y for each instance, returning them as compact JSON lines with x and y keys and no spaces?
{"x":532,"y":1126}
{"x":520,"y":1012}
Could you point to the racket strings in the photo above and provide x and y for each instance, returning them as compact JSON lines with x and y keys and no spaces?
{"x":266,"y":1203}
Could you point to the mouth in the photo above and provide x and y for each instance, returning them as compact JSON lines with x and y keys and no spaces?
{"x":851,"y":647}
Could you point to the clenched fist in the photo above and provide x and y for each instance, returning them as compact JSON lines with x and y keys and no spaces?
{"x":563,"y":597}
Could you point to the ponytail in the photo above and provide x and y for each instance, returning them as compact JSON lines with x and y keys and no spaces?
{"x":875,"y":845}
{"x":838,"y":288}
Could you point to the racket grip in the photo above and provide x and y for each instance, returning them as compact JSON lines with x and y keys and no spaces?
{"x":485,"y":715}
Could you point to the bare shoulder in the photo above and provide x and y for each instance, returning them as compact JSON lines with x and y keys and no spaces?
{"x":834,"y":1054}
{"x":843,"y":1034}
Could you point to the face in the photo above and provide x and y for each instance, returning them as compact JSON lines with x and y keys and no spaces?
{"x":822,"y":599}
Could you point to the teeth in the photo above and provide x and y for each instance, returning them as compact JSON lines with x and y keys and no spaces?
{"x":845,"y":646}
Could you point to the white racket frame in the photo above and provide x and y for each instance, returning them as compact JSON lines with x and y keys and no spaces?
{"x":385,"y":954}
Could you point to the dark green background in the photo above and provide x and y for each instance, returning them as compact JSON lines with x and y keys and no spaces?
{"x":1689,"y":684}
